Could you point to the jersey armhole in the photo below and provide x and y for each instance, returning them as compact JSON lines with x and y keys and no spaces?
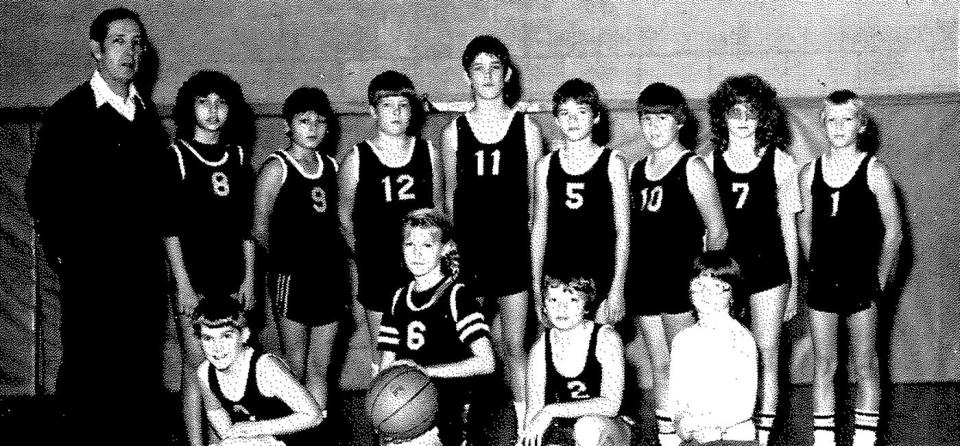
{"x":283,"y":165}
{"x":176,"y":151}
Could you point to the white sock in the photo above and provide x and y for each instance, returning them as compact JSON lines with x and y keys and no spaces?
{"x":824,"y":430}
{"x":865,"y":432}
{"x":667,"y":431}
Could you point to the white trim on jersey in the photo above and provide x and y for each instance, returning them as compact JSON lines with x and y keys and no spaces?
{"x":468,"y":320}
{"x":389,"y":330}
{"x":240,"y":152}
{"x":453,"y":302}
{"x":183,"y":170}
{"x":388,"y":340}
{"x":470,"y":330}
{"x":433,"y":299}
{"x":226,"y":156}
{"x":396,"y":297}
{"x":299,"y":167}
{"x":336,"y":165}
{"x":282,"y":164}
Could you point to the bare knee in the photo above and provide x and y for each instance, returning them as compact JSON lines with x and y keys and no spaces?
{"x":588,"y":430}
{"x":825,"y":364}
{"x":866,"y":366}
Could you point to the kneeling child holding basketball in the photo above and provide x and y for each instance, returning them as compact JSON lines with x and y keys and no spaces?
{"x":435,"y":323}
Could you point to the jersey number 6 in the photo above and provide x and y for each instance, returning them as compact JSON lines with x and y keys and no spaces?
{"x":415,"y":338}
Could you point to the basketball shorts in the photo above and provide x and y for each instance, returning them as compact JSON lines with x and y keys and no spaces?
{"x":308,"y":299}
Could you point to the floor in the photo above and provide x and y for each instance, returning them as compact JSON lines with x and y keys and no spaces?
{"x":918,"y":414}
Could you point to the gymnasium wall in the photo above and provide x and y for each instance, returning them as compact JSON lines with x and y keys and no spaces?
{"x":902,"y":55}
{"x":805,"y":48}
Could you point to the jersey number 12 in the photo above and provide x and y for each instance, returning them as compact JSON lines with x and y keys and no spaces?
{"x":403,"y":192}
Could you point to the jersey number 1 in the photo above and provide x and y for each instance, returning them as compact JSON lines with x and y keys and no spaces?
{"x":835,"y":198}
{"x":403,"y":193}
{"x":494,"y":166}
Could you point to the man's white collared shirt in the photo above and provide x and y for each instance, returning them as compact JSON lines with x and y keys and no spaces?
{"x":127,"y":107}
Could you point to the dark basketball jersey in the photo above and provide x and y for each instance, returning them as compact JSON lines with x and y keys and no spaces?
{"x":847,"y":238}
{"x":383,"y":197}
{"x":752,"y":214}
{"x":304,"y":225}
{"x":435,"y":326}
{"x":212,"y":214}
{"x":585,"y":385}
{"x":666,"y":235}
{"x":253,"y":405}
{"x":581,"y":235}
{"x":492,"y":199}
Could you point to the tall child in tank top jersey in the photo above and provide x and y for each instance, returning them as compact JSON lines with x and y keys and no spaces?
{"x":208,"y":239}
{"x":674,"y":204}
{"x":489,"y":156}
{"x":575,"y":373}
{"x":850,"y":231}
{"x":250,"y":397}
{"x":757,"y":180}
{"x":296,"y":222}
{"x":581,"y":221}
{"x":380,"y":181}
{"x":434,"y":322}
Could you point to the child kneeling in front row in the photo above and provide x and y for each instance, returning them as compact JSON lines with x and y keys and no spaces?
{"x":250,"y":397}
{"x":575,"y":373}
{"x":713,"y":368}
{"x":436,"y":324}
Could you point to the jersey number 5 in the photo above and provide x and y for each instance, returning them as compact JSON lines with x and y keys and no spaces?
{"x":574,"y":197}
{"x":415,"y":332}
{"x":743,"y":189}
{"x":405,"y":183}
{"x":494,"y":166}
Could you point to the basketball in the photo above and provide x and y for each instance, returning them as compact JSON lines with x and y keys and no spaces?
{"x":401,"y":402}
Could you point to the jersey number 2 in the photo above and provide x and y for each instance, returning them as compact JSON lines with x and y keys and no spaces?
{"x":743,"y":189}
{"x":494,"y":165}
{"x":405,"y":183}
{"x":415,"y":332}
{"x":578,"y":390}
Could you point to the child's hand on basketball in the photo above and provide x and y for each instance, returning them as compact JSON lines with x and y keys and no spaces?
{"x":411,"y":363}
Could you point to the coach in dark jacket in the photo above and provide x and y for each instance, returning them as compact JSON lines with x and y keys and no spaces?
{"x":94,"y":192}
